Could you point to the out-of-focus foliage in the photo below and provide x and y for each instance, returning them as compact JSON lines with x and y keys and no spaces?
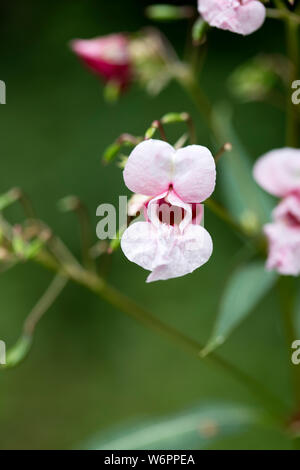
{"x":259,"y":77}
{"x":246,"y":287}
{"x":246,"y":201}
{"x":197,"y":428}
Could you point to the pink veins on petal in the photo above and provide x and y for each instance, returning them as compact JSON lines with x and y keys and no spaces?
{"x":171,"y":242}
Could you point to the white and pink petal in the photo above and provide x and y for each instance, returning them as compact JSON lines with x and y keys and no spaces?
{"x":149,"y":167}
{"x":194,"y":176}
{"x":154,"y":167}
{"x":284,"y":249}
{"x":278,"y":172}
{"x":186,"y":253}
{"x":166,"y":251}
{"x":238,"y":16}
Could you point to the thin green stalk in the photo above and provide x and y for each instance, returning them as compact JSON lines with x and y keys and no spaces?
{"x":86,"y":235}
{"x":191,"y":128}
{"x":44,"y":303}
{"x":227,"y":147}
{"x":287,"y":292}
{"x":224,"y":215}
{"x":63,"y":263}
{"x":19,"y":351}
{"x":128,"y":306}
{"x":74,"y":204}
{"x":191,"y":86}
{"x":293,"y":54}
{"x":25,"y":203}
{"x":282,"y":15}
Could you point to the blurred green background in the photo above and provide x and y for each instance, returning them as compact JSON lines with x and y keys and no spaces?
{"x":92,"y":368}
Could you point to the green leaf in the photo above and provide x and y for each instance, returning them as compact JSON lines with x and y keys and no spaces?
{"x":250,"y":205}
{"x":246,"y":288}
{"x":111,"y":152}
{"x":8,"y":198}
{"x":195,"y":429}
{"x":17,"y":353}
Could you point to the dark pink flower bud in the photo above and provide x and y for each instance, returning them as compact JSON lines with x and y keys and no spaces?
{"x":107,"y":56}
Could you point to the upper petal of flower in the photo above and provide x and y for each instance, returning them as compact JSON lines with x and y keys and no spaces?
{"x":278,"y":172}
{"x":154,"y":166}
{"x":242,"y":17}
{"x":107,"y":56}
{"x":194,"y":177}
{"x":149,"y":167}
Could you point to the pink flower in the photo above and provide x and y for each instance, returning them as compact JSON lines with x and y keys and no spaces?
{"x":107,"y":56}
{"x":239,"y":16}
{"x":171,"y":242}
{"x":278,"y":172}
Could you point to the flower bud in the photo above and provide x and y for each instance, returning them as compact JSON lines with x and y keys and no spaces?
{"x":107,"y":57}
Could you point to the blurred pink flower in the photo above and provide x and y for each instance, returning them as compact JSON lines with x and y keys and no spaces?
{"x":171,"y":242}
{"x":278,"y":172}
{"x":107,"y":56}
{"x":239,"y":16}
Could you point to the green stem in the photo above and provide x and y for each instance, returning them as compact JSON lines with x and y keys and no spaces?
{"x":191,"y":128}
{"x":74,"y":204}
{"x":191,"y":86}
{"x":224,"y":215}
{"x":293,"y":54}
{"x":19,"y":351}
{"x":25,"y":203}
{"x":107,"y":292}
{"x":283,"y":15}
{"x":287,"y":291}
{"x":63,"y":263}
{"x":86,"y":235}
{"x":44,"y":303}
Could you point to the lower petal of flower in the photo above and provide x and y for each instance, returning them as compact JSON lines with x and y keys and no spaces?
{"x":165,"y":250}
